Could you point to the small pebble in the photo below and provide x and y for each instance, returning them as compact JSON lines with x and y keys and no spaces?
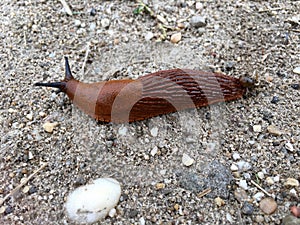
{"x":276,"y":178}
{"x":229,"y":218}
{"x":275,"y":99}
{"x":243,"y":166}
{"x":2,"y":209}
{"x":259,"y":219}
{"x":257,"y":128}
{"x":247,"y":209}
{"x":149,"y":36}
{"x":234,"y":168}
{"x":26,"y":189}
{"x":268,"y":205}
{"x":122,"y":130}
{"x":176,"y":207}
{"x":274,"y":130}
{"x":142,"y":221}
{"x":290,"y":220}
{"x":161,"y":19}
{"x":269,"y":181}
{"x":261,"y":175}
{"x":160,"y":186}
{"x":29,"y":116}
{"x":8,"y":210}
{"x":297,"y":70}
{"x":236,"y":156}
{"x":198,"y":21}
{"x":154,"y":151}
{"x":291,"y":182}
{"x":112,"y":212}
{"x":91,"y":202}
{"x":77,"y":23}
{"x":240,"y":195}
{"x":175,"y":38}
{"x":243,"y":184}
{"x":187,"y":160}
{"x":219,"y":201}
{"x":30,"y":155}
{"x":105,"y":23}
{"x":49,"y":127}
{"x":199,"y":5}
{"x":32,"y":189}
{"x":258,"y":196}
{"x":92,"y":26}
{"x":289,"y":147}
{"x":295,"y":211}
{"x":93,"y":12}
{"x":154,"y":132}
{"x":295,"y":86}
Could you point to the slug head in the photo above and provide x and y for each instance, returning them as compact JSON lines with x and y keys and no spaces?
{"x":62,"y":84}
{"x":247,"y":82}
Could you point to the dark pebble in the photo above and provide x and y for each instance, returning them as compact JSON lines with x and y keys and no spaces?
{"x":229,"y":65}
{"x":93,"y":12}
{"x":32,"y":189}
{"x":275,"y":100}
{"x":247,"y":209}
{"x":295,"y":86}
{"x":133,"y":213}
{"x":9,"y":210}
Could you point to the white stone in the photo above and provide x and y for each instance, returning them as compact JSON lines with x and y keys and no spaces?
{"x":236,"y":156}
{"x":154,"y":151}
{"x":258,"y":196}
{"x":257,"y":128}
{"x":289,"y":146}
{"x":297,"y":70}
{"x":123,"y":130}
{"x":112,"y":212}
{"x":91,"y":202}
{"x":77,"y":23}
{"x":142,"y":221}
{"x":148,"y":36}
{"x":187,"y":160}
{"x":234,"y":168}
{"x":261,"y":175}
{"x":154,"y":131}
{"x":49,"y":127}
{"x":243,"y":184}
{"x":105,"y":22}
{"x":269,"y":180}
{"x":243,"y":165}
{"x":276,"y":178}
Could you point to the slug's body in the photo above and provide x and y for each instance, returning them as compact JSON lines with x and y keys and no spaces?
{"x":150,"y":95}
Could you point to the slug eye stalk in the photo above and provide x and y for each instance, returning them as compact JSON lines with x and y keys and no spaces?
{"x":62,"y":84}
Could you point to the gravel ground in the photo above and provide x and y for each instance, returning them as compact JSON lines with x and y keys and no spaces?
{"x":245,"y":152}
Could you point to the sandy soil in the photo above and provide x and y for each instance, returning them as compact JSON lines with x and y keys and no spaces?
{"x":252,"y":38}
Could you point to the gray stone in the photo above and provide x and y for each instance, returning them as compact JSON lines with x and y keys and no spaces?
{"x":198,"y":21}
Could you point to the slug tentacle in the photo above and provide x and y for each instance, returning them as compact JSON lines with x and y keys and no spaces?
{"x":62,"y":85}
{"x":151,"y":95}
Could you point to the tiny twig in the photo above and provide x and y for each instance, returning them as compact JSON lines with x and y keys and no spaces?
{"x":204,"y":192}
{"x":87,"y":51}
{"x":271,"y":9}
{"x":66,"y":7}
{"x":259,"y":187}
{"x":22,"y":183}
{"x":297,"y":31}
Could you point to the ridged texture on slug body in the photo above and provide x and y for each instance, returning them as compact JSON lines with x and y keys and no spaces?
{"x":151,"y":95}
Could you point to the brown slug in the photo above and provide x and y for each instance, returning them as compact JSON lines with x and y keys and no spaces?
{"x":151,"y":95}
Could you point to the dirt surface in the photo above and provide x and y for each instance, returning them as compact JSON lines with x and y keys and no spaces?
{"x":107,"y":40}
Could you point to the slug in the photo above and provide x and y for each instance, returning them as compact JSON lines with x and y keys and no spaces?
{"x":151,"y":95}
